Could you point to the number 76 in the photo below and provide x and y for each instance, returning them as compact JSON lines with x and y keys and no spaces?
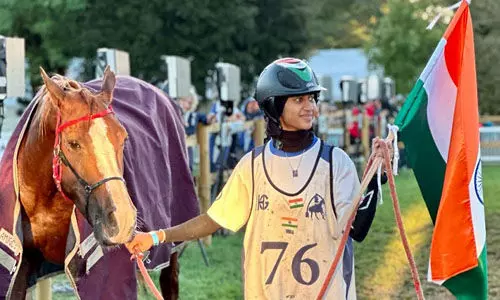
{"x":297,"y":260}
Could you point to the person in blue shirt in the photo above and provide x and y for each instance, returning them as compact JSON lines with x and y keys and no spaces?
{"x":192,"y":118}
{"x":251,"y":111}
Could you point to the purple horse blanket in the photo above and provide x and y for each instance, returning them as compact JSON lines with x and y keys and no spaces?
{"x":158,"y":181}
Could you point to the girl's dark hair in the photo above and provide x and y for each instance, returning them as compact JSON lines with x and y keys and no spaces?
{"x":273,"y":129}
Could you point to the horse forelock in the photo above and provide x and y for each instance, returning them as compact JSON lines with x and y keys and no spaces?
{"x":46,"y":108}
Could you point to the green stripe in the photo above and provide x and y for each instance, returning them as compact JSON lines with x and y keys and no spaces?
{"x":473,"y":284}
{"x":297,"y":205}
{"x":289,"y":225}
{"x":304,"y":74}
{"x":421,"y":151}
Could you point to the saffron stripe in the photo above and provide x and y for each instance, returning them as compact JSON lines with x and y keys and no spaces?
{"x":289,"y":219}
{"x":296,"y":200}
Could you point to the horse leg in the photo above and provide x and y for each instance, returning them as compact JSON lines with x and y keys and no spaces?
{"x":169,"y":279}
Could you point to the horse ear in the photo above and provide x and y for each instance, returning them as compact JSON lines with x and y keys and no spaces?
{"x":56,"y":92}
{"x":108,"y":84}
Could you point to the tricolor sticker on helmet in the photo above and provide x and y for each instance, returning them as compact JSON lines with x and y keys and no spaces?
{"x":297,"y":66}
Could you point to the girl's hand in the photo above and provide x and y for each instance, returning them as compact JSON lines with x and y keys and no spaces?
{"x":143,"y":241}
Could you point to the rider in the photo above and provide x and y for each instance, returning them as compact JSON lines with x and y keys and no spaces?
{"x":292,"y":194}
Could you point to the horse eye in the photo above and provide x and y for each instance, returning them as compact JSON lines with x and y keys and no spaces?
{"x":74,"y":145}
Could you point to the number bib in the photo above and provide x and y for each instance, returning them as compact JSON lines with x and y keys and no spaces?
{"x":292,"y":236}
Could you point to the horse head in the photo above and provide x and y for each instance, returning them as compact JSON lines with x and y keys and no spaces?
{"x":88,"y":155}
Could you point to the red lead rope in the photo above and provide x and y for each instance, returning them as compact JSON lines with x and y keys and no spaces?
{"x":373,"y":163}
{"x":138,"y":257}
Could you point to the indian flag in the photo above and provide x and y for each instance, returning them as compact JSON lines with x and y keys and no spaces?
{"x":296,"y":203}
{"x":439,"y":125}
{"x":289,"y":222}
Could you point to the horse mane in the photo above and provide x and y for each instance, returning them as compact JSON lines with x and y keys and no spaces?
{"x":45,"y":106}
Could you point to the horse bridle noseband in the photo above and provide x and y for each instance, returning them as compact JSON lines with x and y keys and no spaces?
{"x":59,"y":157}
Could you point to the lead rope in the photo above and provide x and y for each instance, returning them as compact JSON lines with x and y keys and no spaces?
{"x":149,"y":282}
{"x":374,"y":161}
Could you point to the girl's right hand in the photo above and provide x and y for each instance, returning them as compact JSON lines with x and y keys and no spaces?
{"x":142,"y":241}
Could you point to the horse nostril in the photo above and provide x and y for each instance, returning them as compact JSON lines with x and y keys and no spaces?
{"x":110,"y":222}
{"x":110,"y":211}
{"x":110,"y":216}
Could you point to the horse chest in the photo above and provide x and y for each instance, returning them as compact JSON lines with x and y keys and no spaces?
{"x":46,"y":229}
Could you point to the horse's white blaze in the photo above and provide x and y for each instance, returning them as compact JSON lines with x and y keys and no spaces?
{"x":108,"y":167}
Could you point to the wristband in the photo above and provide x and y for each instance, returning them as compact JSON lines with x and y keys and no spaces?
{"x":156,"y":240}
{"x":164,"y":236}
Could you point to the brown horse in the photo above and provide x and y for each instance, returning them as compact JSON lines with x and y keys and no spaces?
{"x":72,"y":155}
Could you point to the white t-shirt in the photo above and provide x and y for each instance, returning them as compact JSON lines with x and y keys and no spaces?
{"x":293,"y":230}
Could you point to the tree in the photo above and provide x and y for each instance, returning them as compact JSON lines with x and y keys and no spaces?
{"x":248,"y":33}
{"x":39,"y":23}
{"x":487,"y":42}
{"x":401,"y":44}
{"x":282,"y":27}
{"x":343,"y":24}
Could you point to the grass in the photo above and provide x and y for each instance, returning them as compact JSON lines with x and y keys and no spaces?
{"x":222,"y":279}
{"x":382,"y":271}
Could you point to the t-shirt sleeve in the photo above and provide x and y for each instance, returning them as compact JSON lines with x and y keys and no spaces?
{"x":346,"y":185}
{"x":232,"y":207}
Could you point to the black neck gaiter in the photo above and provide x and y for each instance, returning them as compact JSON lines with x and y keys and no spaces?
{"x":294,"y":141}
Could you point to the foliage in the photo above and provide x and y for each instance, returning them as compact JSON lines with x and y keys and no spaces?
{"x":487,"y":42}
{"x":400,"y":42}
{"x":343,"y":24}
{"x":248,"y":33}
{"x":39,"y":23}
{"x":402,"y":45}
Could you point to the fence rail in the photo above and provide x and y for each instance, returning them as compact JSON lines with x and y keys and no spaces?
{"x":490,"y":143}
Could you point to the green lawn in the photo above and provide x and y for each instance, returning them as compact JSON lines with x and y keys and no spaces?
{"x":392,"y":263}
{"x":381,"y":268}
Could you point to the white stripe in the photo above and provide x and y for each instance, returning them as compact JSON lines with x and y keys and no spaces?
{"x":107,"y":164}
{"x":477,"y":207}
{"x":103,"y":149}
{"x":94,"y":258}
{"x":432,"y":61}
{"x":7,"y":261}
{"x":441,"y":95}
{"x":87,"y":245}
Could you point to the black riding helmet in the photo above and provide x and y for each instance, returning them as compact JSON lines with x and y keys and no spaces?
{"x":284,"y":77}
